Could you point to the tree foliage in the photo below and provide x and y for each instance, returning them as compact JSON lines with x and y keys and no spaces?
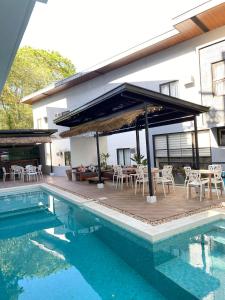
{"x":32,"y":70}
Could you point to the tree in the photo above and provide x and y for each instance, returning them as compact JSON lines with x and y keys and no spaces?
{"x":32,"y":70}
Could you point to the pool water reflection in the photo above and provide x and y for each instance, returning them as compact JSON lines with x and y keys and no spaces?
{"x":62,"y":251}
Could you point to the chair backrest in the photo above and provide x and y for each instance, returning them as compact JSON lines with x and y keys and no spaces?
{"x":39,"y":167}
{"x":215,"y":167}
{"x":141,"y":172}
{"x":167,"y":173}
{"x":13,"y":167}
{"x":30,"y":169}
{"x":17,"y":169}
{"x":115,"y":169}
{"x":218,"y":175}
{"x":140,"y":165}
{"x":119,"y":170}
{"x":195,"y":176}
{"x":187,"y":171}
{"x":168,"y":167}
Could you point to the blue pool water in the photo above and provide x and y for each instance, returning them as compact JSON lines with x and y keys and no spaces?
{"x":52,"y":249}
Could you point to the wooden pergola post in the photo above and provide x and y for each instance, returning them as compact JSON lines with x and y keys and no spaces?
{"x":151,"y":198}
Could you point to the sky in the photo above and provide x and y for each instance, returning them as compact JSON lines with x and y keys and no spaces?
{"x":90,"y":31}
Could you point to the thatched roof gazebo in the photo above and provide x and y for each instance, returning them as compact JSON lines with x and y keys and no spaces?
{"x":25,"y":137}
{"x":129,"y":107}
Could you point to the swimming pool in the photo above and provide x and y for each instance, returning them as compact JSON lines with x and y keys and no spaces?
{"x":53,"y":249}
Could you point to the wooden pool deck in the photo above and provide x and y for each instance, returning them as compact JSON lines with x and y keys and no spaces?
{"x":174,"y":206}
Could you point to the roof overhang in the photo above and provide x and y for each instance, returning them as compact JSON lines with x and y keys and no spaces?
{"x":14,"y":17}
{"x":128,"y":100}
{"x":197,"y":21}
{"x":25,"y":136}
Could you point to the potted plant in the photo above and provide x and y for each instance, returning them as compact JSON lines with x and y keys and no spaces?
{"x":104,"y":157}
{"x":139,"y":159}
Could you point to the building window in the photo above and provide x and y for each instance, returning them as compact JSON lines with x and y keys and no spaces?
{"x":170,"y":88}
{"x":221,"y":136}
{"x":67,"y":157}
{"x":39,"y":123}
{"x":123,"y":156}
{"x":218,"y":78}
{"x":179,"y":149}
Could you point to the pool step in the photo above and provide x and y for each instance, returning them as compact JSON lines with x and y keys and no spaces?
{"x":22,"y":211}
{"x":192,"y":279}
{"x":26,"y":223}
{"x":220,"y":226}
{"x":217,"y":235}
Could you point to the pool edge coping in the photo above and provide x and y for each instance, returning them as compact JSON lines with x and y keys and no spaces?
{"x":147,"y":231}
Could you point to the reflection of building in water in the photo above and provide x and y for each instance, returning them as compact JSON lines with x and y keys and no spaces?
{"x":74,"y":221}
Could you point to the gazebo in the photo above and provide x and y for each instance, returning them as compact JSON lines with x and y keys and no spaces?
{"x":23,"y":139}
{"x":126,"y":108}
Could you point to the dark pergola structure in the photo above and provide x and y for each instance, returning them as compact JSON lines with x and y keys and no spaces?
{"x":148,"y":109}
{"x":24,"y":137}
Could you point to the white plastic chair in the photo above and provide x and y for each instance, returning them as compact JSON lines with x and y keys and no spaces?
{"x":196,"y":181}
{"x":166,"y":178}
{"x":5,"y":173}
{"x":16,"y":170}
{"x":115,"y":172}
{"x":141,"y":178}
{"x":31,"y":173}
{"x":187,"y":171}
{"x":215,"y":168}
{"x":218,"y":180}
{"x":39,"y":171}
{"x":120,"y":178}
{"x":133,"y":176}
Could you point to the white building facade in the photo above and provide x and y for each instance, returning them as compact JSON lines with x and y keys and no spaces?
{"x":192,"y":69}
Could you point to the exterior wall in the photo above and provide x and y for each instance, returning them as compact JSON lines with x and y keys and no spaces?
{"x":47,"y":110}
{"x":176,"y":63}
{"x":124,"y":140}
{"x":84,"y":150}
{"x":180,"y":62}
{"x":210,"y":54}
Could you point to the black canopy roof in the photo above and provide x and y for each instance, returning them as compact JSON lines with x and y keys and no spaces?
{"x":128,"y":97}
{"x":26,"y":132}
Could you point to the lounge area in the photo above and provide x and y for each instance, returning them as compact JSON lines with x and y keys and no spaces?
{"x":174,"y":206}
{"x":132,"y":108}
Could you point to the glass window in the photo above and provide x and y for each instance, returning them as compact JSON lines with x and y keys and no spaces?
{"x":123,"y":156}
{"x":221,"y":136}
{"x":170,"y":88}
{"x":218,"y":77}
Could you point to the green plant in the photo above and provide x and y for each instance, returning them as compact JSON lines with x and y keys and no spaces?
{"x":104,"y":157}
{"x":139,"y":159}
